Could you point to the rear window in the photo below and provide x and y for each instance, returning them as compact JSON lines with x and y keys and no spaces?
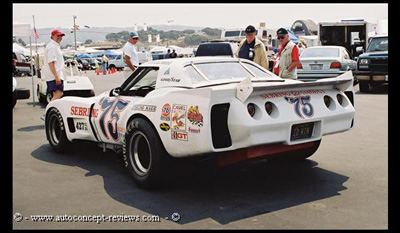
{"x":217,"y":49}
{"x":321,"y":52}
{"x":232,"y":33}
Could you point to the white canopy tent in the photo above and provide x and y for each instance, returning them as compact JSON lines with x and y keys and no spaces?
{"x":17,"y":48}
{"x":24,"y":29}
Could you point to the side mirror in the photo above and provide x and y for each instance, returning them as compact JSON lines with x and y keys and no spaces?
{"x":116,"y":91}
{"x":359,"y":50}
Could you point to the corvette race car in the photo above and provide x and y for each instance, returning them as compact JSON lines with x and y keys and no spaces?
{"x":230,"y":108}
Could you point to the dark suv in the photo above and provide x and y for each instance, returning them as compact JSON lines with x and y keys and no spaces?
{"x":217,"y":48}
{"x":372,"y":66}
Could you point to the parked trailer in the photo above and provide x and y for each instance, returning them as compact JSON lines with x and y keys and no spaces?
{"x":347,"y":33}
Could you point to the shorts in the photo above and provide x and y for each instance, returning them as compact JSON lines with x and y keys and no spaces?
{"x":51,"y":86}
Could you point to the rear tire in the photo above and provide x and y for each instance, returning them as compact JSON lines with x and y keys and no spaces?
{"x":144,"y":154}
{"x":55,"y":131}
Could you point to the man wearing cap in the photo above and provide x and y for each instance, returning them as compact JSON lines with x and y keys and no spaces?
{"x":130,"y":54}
{"x":252,"y":48}
{"x":287,"y":59}
{"x":53,"y":68}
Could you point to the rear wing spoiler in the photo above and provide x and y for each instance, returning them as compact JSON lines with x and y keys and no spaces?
{"x":342,"y":82}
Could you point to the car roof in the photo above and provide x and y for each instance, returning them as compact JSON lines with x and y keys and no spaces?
{"x":171,"y":72}
{"x":326,"y":47}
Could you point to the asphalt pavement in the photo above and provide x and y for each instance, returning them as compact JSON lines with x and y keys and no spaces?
{"x":344,"y":185}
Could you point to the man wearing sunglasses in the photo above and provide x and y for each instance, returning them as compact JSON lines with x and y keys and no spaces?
{"x":287,"y":59}
{"x":252,"y":48}
{"x":130,"y":54}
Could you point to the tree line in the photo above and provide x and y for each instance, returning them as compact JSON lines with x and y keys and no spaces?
{"x":191,"y":37}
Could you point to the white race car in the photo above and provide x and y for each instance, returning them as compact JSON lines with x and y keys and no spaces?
{"x":231,"y":108}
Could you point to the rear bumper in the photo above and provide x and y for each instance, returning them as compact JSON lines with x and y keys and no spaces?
{"x":231,"y":157}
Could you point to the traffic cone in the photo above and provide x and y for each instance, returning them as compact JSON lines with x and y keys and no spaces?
{"x":108,"y":71}
{"x":113,"y":70}
{"x":97,"y":71}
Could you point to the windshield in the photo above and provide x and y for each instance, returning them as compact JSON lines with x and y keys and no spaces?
{"x":223,"y":70}
{"x":320,"y":52}
{"x":378,"y":44}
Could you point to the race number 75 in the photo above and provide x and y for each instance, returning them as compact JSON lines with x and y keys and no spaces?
{"x":302,"y":106}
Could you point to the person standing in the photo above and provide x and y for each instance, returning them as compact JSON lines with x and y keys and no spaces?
{"x":130,"y":54}
{"x":173,"y":54}
{"x":53,"y":68}
{"x":104,"y":61}
{"x":252,"y":48}
{"x":287,"y":59}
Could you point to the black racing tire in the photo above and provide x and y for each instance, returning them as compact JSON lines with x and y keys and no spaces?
{"x":145,"y":156}
{"x":56,"y":131}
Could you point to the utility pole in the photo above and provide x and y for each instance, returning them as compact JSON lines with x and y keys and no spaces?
{"x":75,"y":31}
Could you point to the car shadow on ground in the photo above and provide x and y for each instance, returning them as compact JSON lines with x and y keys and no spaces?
{"x":203,"y":191}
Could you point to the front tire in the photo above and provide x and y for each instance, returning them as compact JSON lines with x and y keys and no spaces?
{"x":55,"y":131}
{"x":144,"y":155}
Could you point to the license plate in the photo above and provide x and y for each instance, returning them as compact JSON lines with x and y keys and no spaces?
{"x":316,"y":66}
{"x":301,"y":131}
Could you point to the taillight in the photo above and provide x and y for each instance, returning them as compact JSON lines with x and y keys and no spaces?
{"x":339,"y":99}
{"x":268,"y":107}
{"x":251,"y":109}
{"x":299,"y":66}
{"x":336,"y":65}
{"x":327,"y":101}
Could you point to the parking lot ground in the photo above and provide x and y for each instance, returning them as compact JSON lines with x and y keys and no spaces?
{"x":344,"y":185}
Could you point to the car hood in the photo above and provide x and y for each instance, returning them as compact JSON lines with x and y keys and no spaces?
{"x":374,"y":54}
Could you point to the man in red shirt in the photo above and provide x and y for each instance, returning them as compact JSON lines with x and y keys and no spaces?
{"x":287,"y":59}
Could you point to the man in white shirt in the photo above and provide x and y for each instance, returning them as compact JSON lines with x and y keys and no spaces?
{"x":130,"y":55}
{"x":53,"y":68}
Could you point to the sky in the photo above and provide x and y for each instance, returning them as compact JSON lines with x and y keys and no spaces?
{"x":226,"y":16}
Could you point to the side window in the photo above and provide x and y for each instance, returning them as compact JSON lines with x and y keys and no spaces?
{"x":148,"y":79}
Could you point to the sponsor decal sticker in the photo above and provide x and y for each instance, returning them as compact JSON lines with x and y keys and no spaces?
{"x":172,"y":79}
{"x":182,"y":136}
{"x":194,"y":116}
{"x":194,"y":130}
{"x":83,"y":111}
{"x":291,"y":94}
{"x":164,"y":127}
{"x":166,"y":112}
{"x":178,"y":120}
{"x":147,"y":108}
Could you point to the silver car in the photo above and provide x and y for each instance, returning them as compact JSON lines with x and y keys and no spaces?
{"x":324,"y":62}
